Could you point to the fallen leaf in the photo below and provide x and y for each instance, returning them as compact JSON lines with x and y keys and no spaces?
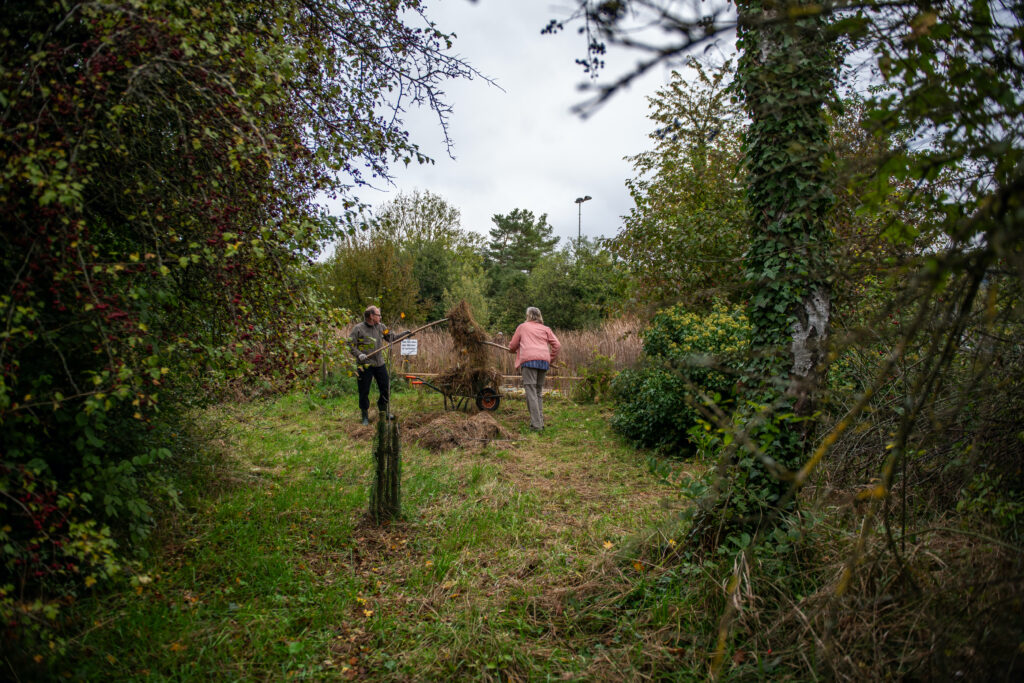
{"x":368,"y":612}
{"x":608,"y":545}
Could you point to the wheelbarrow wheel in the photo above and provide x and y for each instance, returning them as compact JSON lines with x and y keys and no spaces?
{"x":488,"y":399}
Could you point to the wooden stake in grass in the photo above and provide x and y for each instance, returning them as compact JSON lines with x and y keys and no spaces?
{"x":386,"y":493}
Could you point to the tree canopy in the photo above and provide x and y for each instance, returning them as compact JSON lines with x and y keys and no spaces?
{"x":518,"y":242}
{"x":413,"y":257}
{"x":683,"y":238}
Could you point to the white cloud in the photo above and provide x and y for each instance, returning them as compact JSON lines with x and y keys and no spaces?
{"x":523,"y":148}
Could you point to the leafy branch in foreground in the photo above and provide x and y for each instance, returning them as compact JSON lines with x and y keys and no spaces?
{"x":916,"y":426}
{"x":158,"y":200}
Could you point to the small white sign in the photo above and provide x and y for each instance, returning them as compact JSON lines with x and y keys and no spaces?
{"x":410,"y":346}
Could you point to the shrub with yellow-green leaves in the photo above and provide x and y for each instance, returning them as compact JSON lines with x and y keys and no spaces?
{"x":689,"y":359}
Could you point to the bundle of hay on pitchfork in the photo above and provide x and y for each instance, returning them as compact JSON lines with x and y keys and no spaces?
{"x":472,"y":377}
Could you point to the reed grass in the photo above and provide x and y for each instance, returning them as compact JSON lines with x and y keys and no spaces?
{"x":617,"y":339}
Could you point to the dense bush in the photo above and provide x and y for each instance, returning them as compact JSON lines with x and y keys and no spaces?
{"x":52,"y":551}
{"x":596,"y":385}
{"x":688,"y":358}
{"x":163,"y":163}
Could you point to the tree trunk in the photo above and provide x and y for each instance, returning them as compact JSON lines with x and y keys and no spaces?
{"x":787,"y":73}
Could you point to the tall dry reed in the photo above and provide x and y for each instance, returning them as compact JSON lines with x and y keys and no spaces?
{"x":617,"y":339}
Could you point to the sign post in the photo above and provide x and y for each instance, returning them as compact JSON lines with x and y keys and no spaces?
{"x":410,"y":347}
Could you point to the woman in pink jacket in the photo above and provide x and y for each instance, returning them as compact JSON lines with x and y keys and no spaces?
{"x":536,"y":348}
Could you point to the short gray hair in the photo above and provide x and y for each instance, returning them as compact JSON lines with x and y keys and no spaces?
{"x":370,"y":309}
{"x":533,"y":313}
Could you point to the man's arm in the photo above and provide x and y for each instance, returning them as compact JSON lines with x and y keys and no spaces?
{"x":358,"y":353}
{"x":392,"y":337}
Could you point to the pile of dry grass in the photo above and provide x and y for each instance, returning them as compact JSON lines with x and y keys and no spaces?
{"x":454,"y":430}
{"x":466,"y":331}
{"x":440,"y":431}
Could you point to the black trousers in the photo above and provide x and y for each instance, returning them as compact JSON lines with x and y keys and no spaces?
{"x":366,"y":375}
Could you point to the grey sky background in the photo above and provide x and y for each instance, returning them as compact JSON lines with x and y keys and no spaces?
{"x":522,"y":147}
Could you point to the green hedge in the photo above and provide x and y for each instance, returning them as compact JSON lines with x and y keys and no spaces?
{"x":686,"y":354}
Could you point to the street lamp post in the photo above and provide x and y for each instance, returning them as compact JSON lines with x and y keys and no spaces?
{"x":579,"y":215}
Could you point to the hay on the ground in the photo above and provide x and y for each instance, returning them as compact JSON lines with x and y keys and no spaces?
{"x":440,"y":431}
{"x":448,"y":430}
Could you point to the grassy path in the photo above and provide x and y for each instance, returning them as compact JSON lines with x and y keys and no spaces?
{"x":508,"y":566}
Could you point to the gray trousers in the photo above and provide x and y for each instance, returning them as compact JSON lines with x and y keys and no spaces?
{"x":533,"y":385}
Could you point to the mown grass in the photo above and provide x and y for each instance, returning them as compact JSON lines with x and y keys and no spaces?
{"x":506,"y":566}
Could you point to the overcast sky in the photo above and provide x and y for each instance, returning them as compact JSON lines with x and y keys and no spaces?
{"x":522,"y":147}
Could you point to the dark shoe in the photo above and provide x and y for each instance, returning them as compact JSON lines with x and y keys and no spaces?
{"x":366,"y":418}
{"x":391,"y":416}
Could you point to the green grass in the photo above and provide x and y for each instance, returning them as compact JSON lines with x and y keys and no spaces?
{"x":506,"y":565}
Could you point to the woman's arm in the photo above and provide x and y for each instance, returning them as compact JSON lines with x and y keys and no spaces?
{"x":517,"y":338}
{"x":555,"y":345}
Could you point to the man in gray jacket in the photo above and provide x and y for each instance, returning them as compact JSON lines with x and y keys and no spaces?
{"x":367,"y":337}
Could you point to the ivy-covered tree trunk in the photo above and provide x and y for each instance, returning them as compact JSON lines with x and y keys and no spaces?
{"x":786,"y":73}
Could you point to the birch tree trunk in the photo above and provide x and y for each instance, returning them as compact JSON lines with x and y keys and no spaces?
{"x":787,"y":75}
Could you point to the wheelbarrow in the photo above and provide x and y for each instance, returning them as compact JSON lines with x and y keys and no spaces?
{"x":487,"y":398}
